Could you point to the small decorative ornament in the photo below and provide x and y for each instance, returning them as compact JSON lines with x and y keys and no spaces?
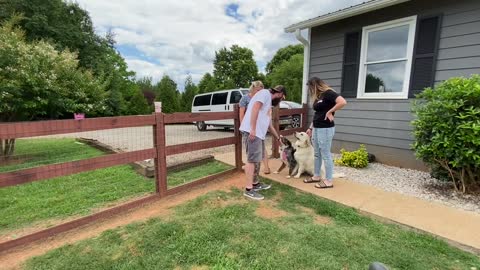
{"x":78,"y":116}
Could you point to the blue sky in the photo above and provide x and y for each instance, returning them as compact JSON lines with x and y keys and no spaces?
{"x":179,"y":38}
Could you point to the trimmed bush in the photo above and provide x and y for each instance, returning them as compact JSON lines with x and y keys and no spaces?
{"x":355,"y":159}
{"x":447,"y":130}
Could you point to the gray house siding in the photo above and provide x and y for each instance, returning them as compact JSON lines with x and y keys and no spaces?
{"x":384,"y":125}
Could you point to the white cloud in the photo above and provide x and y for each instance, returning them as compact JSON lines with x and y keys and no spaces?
{"x":180,"y":37}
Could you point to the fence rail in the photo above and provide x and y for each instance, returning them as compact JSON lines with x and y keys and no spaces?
{"x":54,"y":127}
{"x":67,"y":168}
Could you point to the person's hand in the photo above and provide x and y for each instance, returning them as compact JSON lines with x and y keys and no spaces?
{"x":329,"y":116}
{"x":280,"y":139}
{"x":309,"y":132}
{"x":252,"y":135}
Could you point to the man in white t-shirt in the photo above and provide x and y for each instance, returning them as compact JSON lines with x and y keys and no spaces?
{"x":254,"y":129}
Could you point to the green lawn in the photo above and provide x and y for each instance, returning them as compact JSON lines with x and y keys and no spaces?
{"x":37,"y":152}
{"x":24,"y":205}
{"x":222,"y":230}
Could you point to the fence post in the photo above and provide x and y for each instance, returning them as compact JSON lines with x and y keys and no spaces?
{"x":276,"y":125}
{"x":238,"y":136}
{"x":305,"y":116}
{"x":161,"y":158}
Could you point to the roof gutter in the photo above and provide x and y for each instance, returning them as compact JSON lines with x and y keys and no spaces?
{"x":306,"y":62}
{"x":344,"y":13}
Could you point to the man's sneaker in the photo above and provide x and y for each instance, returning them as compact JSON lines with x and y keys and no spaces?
{"x":252,"y":194}
{"x":261,"y":186}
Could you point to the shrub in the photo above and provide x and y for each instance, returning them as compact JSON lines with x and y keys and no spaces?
{"x":355,"y":159}
{"x":447,"y":130}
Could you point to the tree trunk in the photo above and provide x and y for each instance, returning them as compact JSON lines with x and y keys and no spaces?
{"x":7,"y":147}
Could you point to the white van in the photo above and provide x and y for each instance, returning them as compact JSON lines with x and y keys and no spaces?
{"x":224,"y":101}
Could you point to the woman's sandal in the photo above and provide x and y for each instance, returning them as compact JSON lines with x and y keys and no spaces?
{"x":323,"y":185}
{"x":311,"y":180}
{"x":266,"y":172}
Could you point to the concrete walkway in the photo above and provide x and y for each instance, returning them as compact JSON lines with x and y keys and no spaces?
{"x":458,"y":227}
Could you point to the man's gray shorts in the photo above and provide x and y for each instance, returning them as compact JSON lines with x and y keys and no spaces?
{"x":254,"y":148}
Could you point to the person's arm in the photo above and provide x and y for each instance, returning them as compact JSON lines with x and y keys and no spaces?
{"x":273,"y":131}
{"x":253,"y":120}
{"x":242,"y":113}
{"x":340,"y":102}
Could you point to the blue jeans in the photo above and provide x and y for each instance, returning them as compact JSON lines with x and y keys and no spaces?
{"x":322,"y":144}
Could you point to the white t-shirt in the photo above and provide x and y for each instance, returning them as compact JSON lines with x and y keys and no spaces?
{"x":263,"y":120}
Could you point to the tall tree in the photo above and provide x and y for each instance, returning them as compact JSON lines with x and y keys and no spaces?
{"x":290,"y":74}
{"x":187,"y":97}
{"x":66,"y":25}
{"x":39,"y":82}
{"x":146,"y":87}
{"x":166,"y":91}
{"x":207,"y":84}
{"x":283,"y":54}
{"x":234,"y":67}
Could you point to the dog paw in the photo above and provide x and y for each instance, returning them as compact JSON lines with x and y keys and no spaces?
{"x":276,"y":172}
{"x":288,"y":176}
{"x":296,"y":176}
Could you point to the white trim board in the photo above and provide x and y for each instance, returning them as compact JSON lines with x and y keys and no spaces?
{"x":343,"y":14}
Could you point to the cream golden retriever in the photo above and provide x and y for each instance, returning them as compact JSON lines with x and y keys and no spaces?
{"x":304,"y":155}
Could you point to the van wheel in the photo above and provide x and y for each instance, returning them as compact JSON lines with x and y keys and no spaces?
{"x":201,"y":126}
{"x":296,"y":121}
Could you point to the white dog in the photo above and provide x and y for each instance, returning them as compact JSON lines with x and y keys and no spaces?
{"x":304,"y":155}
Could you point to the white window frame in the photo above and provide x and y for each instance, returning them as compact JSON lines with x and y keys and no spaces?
{"x":412,"y":23}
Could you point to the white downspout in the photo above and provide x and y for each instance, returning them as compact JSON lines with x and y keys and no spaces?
{"x":306,"y":62}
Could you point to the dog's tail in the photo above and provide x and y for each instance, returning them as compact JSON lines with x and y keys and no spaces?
{"x":338,"y":175}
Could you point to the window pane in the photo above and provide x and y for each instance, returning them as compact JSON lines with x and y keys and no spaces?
{"x":235,"y":97}
{"x":202,"y":100}
{"x":220,"y":99}
{"x":388,"y":44}
{"x":385,"y":77}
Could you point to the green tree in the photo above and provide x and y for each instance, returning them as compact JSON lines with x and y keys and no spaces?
{"x":138,"y":103}
{"x":207,"y":84}
{"x":282,"y":55}
{"x":39,"y":82}
{"x":187,"y":97}
{"x":68,"y":26}
{"x":234,"y":67}
{"x":146,"y":87}
{"x":65,"y":24}
{"x":166,"y":91}
{"x":290,"y":74}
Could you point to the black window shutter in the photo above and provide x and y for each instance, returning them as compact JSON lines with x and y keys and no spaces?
{"x":351,"y":61}
{"x":425,"y":54}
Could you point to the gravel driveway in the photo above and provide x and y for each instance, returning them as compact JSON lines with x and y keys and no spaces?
{"x":138,"y":138}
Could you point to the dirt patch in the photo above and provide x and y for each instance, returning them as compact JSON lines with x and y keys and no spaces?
{"x":222,"y":202}
{"x":266,"y":210}
{"x":13,"y":259}
{"x":200,"y":267}
{"x":317,"y":219}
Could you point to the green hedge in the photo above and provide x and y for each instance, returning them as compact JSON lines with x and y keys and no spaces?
{"x":447,"y":130}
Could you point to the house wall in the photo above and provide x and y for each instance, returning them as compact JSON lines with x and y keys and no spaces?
{"x":384,"y":125}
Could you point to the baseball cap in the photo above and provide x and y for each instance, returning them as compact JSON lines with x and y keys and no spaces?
{"x":280,"y":89}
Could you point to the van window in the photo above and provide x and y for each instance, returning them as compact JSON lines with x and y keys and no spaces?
{"x":202,"y":100}
{"x":235,"y":97}
{"x":219,"y":98}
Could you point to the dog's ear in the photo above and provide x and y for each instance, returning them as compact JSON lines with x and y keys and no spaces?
{"x":306,"y":142}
